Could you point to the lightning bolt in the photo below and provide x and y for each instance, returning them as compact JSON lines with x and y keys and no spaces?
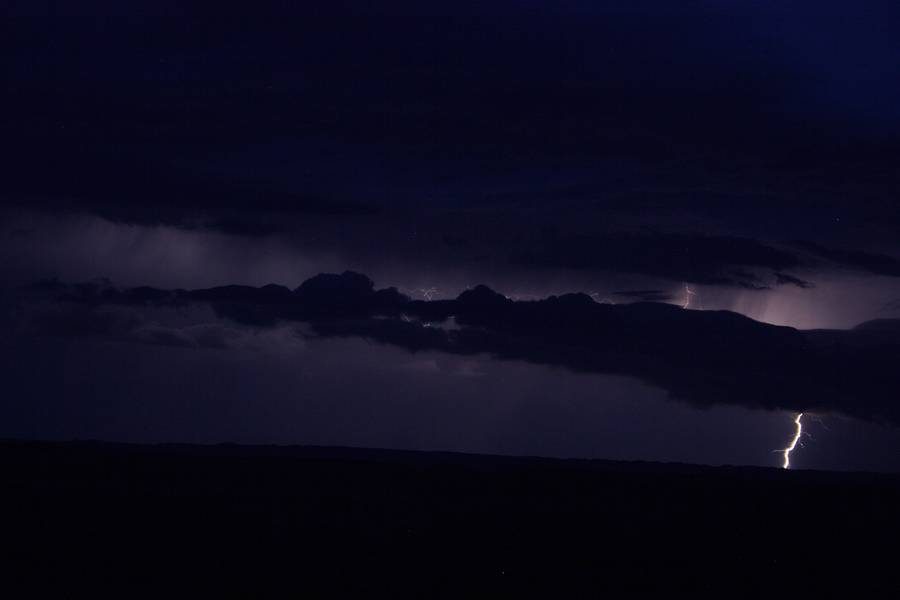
{"x":797,"y":433}
{"x":428,"y":293}
{"x":688,"y":292}
{"x":425,"y":293}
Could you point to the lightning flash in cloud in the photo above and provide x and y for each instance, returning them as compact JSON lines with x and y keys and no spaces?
{"x":798,"y":431}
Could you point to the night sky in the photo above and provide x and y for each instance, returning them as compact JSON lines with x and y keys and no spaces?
{"x":637,"y":230}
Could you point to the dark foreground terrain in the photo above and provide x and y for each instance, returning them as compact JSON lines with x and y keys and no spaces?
{"x":85,"y":519}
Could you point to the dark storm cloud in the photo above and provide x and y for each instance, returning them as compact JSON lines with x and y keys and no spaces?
{"x":698,"y":258}
{"x":144,"y":189}
{"x":98,"y":309}
{"x":704,"y":357}
{"x":144,"y":118}
{"x":445,"y":137}
{"x":453,"y":135}
{"x":645,"y":295}
{"x":785,"y":279}
{"x":877,"y":264}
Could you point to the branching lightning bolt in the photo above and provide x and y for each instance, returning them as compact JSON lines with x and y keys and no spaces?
{"x":797,"y":433}
{"x":688,"y":292}
{"x":425,"y":293}
{"x":428,"y":293}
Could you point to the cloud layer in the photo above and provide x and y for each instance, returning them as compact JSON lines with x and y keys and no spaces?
{"x":703,"y":357}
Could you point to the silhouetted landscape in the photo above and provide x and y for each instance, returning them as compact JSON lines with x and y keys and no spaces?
{"x":92,"y":518}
